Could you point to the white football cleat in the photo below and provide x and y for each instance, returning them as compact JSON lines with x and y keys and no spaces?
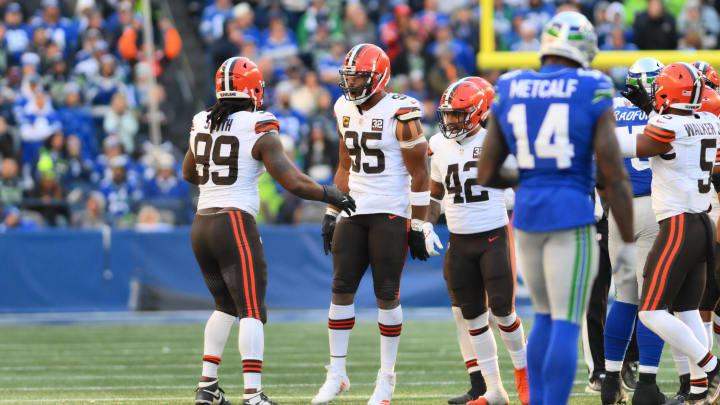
{"x":335,"y":384}
{"x":384,"y":388}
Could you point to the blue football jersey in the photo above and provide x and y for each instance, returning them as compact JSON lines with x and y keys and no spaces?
{"x":630,"y":122}
{"x":548,"y":119}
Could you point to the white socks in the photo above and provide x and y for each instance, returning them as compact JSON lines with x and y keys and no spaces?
{"x":709,"y":333}
{"x":680,"y":335}
{"x":251,"y":342}
{"x":390,"y":324}
{"x":512,"y":334}
{"x":486,"y":349}
{"x":217,"y":330}
{"x":341,"y":319}
{"x":466,"y":346}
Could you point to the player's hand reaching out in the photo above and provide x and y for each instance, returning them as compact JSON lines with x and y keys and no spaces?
{"x":416,"y":240}
{"x":431,"y":239}
{"x":328,"y":229}
{"x":339,"y":199}
{"x":639,"y":97}
{"x":625,"y":263}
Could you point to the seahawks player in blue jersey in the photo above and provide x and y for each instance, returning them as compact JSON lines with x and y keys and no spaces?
{"x":553,"y":120}
{"x":620,"y":321}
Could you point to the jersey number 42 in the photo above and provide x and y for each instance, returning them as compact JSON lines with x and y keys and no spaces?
{"x":553,"y":138}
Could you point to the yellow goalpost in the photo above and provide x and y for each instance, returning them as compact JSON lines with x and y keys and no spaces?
{"x":488,"y":58}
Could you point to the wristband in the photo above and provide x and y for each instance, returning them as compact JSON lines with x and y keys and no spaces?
{"x":435,"y":200}
{"x":628,"y":145}
{"x":417,"y":224}
{"x":332,"y":211}
{"x":420,"y":198}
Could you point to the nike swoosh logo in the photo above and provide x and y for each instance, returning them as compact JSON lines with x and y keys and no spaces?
{"x":215,"y":394}
{"x":493,"y":239}
{"x":392,"y":216}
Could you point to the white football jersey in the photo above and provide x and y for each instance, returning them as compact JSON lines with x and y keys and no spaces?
{"x":469,"y":207}
{"x":379,"y":181}
{"x":681,"y":177}
{"x":227,"y":171}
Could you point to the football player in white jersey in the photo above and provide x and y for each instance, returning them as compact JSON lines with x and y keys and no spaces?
{"x":230,"y":146}
{"x":681,"y":144}
{"x":479,"y":258}
{"x":383,"y":165}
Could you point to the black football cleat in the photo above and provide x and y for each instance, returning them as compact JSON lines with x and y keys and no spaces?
{"x":478,"y":388}
{"x":683,"y":392}
{"x":611,"y":391}
{"x":629,"y":375}
{"x":713,"y":391}
{"x":648,"y":393}
{"x":595,"y":382}
{"x":259,"y":399}
{"x":462,"y":399}
{"x":697,"y":399}
{"x":210,"y":395}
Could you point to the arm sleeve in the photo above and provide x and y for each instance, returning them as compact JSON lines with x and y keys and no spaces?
{"x":659,"y":132}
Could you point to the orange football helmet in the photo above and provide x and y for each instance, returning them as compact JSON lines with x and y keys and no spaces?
{"x":465,"y":99}
{"x":709,"y":74}
{"x":369,"y":63}
{"x":710,"y":101}
{"x":679,"y":85}
{"x":489,"y":91}
{"x":239,"y":77}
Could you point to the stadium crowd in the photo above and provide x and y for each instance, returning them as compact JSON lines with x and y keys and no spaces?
{"x":74,"y":98}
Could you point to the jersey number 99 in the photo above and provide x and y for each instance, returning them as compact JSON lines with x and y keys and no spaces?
{"x":224,"y":152}
{"x":553,"y":138}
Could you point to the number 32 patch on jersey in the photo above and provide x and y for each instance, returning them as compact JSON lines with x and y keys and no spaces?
{"x":377,"y":124}
{"x":476,"y":152}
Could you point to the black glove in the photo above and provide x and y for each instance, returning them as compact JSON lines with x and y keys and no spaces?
{"x":639,"y":97}
{"x":328,"y":229}
{"x":416,"y":243}
{"x":343,"y":201}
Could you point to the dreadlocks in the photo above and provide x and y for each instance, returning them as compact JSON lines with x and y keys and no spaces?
{"x":220,"y":111}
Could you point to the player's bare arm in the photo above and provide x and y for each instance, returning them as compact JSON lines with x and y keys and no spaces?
{"x":437,"y":192}
{"x":188,"y":168}
{"x":648,"y":147}
{"x":494,"y":153}
{"x":414,"y":152}
{"x":269,"y":150}
{"x":342,"y":174}
{"x":615,"y":177}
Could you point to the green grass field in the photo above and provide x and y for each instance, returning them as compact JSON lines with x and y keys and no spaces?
{"x":160,"y":364}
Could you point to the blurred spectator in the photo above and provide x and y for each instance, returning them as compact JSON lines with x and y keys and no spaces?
{"x":59,"y":29}
{"x":538,"y":11}
{"x":395,"y":31}
{"x":103,"y":87}
{"x":76,"y":120}
{"x":655,"y":28}
{"x":120,"y":120}
{"x":292,"y":122}
{"x":305,"y":99}
{"x":226,"y":46}
{"x":528,"y":38}
{"x":465,"y":27}
{"x":464,"y":56}
{"x":166,"y":183}
{"x":9,"y":144}
{"x":502,"y":24}
{"x":17,"y":35}
{"x":93,"y":214}
{"x":47,"y":199}
{"x":701,"y":18}
{"x":357,"y":28}
{"x":321,"y":156}
{"x":444,"y":71}
{"x":318,"y":16}
{"x":78,"y":169}
{"x":411,"y":59}
{"x":120,"y":192}
{"x":328,"y":67}
{"x":13,"y":220}
{"x":616,"y":41}
{"x":11,"y":192}
{"x":245,"y":21}
{"x":279,"y":45}
{"x":170,"y":43}
{"x":39,"y":121}
{"x":692,"y":40}
{"x":148,"y":220}
{"x":213,"y":19}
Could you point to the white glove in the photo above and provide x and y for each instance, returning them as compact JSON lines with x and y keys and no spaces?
{"x":625,"y":263}
{"x":431,"y":239}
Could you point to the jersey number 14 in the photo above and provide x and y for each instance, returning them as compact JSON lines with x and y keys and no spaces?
{"x":553,"y":139}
